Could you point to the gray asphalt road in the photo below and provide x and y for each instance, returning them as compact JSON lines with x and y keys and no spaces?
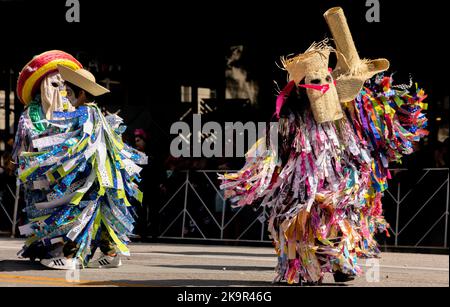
{"x":154,"y":265}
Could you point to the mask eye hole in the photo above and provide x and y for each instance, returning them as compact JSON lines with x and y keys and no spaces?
{"x":329,"y":79}
{"x":54,"y":84}
{"x":315,"y":81}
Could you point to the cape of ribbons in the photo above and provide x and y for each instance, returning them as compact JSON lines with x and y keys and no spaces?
{"x":79,"y":180}
{"x":324,"y":183}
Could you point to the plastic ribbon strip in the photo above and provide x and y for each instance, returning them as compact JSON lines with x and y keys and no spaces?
{"x":324,"y":186}
{"x":78,"y":180}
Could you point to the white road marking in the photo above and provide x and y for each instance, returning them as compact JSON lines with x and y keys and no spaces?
{"x":208,"y":256}
{"x":9,"y":247}
{"x":274,"y":260}
{"x":414,"y":268}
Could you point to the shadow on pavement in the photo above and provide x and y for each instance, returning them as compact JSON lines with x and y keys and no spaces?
{"x":20,"y":265}
{"x":196,"y":283}
{"x":179,"y":283}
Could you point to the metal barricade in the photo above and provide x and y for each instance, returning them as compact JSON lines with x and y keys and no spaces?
{"x":11,"y":217}
{"x":420,"y":200}
{"x":416,"y":205}
{"x":206,"y":215}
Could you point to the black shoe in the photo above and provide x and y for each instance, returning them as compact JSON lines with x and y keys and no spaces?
{"x":342,"y":277}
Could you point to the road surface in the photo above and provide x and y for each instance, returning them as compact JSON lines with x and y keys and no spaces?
{"x":156,"y":265}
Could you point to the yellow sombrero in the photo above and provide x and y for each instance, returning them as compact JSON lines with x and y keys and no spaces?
{"x":40,"y":66}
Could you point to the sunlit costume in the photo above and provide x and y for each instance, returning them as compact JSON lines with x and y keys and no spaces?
{"x":77,"y":174}
{"x":338,"y":130}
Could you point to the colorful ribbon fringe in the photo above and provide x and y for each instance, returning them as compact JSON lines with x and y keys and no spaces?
{"x":325,"y":183}
{"x":78,"y":177}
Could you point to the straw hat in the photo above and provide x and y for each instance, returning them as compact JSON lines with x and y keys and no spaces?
{"x":351,"y":72}
{"x":313,"y":67}
{"x":83,"y":79}
{"x":38,"y":68}
{"x":299,"y":66}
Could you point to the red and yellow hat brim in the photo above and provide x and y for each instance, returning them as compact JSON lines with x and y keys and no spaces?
{"x":30,"y":77}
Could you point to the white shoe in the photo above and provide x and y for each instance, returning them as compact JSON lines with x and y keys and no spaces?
{"x":61,"y":263}
{"x":105,"y":262}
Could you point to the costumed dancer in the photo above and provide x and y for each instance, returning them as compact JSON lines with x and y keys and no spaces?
{"x":76,"y":172}
{"x":324,"y":182}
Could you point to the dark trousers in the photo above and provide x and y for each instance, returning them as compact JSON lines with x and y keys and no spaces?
{"x":106,"y":244}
